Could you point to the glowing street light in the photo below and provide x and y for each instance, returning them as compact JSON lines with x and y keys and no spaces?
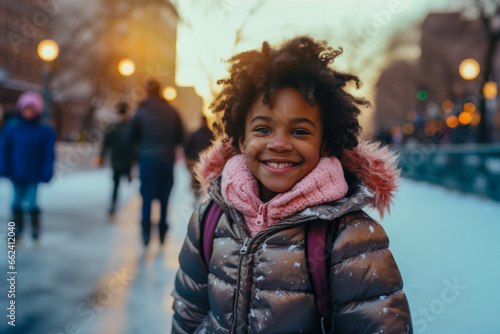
{"x":452,"y":121}
{"x":447,"y":106}
{"x":408,"y":129}
{"x":126,"y":67}
{"x":169,"y":93}
{"x":464,"y":118}
{"x":490,"y":90}
{"x":469,"y":107}
{"x":469,"y":69}
{"x":422,"y":95}
{"x":476,"y":119}
{"x":48,"y":50}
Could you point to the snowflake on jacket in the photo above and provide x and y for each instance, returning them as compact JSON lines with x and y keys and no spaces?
{"x":268,"y":289}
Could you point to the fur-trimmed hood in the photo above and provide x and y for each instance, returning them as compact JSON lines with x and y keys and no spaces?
{"x":374,"y":164}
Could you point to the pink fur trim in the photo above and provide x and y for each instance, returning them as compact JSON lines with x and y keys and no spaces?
{"x":212,"y":162}
{"x":377,"y":167}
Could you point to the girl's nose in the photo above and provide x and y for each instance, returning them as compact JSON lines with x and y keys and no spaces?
{"x":279,"y":143}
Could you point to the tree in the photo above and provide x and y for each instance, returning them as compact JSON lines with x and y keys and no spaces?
{"x":489,"y":15}
{"x":94,"y":35}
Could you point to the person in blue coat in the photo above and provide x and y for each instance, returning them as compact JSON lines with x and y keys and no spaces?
{"x":27,"y":158}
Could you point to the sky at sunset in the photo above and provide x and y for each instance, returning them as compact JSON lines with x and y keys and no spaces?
{"x":215,"y":30}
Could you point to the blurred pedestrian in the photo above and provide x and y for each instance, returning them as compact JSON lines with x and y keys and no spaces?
{"x":197,"y":142}
{"x":156,"y":129}
{"x":122,"y":157}
{"x":27,"y":157}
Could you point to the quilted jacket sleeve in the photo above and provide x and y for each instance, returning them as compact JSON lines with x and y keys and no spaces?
{"x":365,"y":282}
{"x":191,"y":303}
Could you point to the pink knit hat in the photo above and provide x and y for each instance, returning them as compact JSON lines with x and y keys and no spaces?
{"x":31,"y":99}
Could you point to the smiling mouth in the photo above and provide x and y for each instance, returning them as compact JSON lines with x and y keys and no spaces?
{"x":280,"y":164}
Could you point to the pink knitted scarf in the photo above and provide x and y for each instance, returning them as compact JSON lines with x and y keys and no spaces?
{"x":326,"y":183}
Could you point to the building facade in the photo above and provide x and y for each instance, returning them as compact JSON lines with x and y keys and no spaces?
{"x":22,"y":26}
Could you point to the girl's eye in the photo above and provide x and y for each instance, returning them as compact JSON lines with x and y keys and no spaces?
{"x":262,"y":130}
{"x":300,"y":132}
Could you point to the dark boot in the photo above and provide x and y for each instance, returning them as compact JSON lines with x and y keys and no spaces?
{"x":163,"y":232}
{"x":35,"y":224}
{"x":17,"y":217}
{"x":146,"y":232}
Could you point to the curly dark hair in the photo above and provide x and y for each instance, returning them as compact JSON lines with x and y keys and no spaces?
{"x":300,"y":63}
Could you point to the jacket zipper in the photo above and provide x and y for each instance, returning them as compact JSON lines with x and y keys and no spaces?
{"x":244,"y":249}
{"x":246,"y":235}
{"x":260,"y":215}
{"x":248,"y":242}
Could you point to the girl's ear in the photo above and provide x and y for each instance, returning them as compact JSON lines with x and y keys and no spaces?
{"x":241,"y":144}
{"x":325,"y":151}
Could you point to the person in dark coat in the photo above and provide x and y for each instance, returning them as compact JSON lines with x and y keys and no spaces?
{"x":197,"y":142}
{"x":156,"y":129}
{"x":289,"y":155}
{"x":27,"y":157}
{"x":122,"y":157}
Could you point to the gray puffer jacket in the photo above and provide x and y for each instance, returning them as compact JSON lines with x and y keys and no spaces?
{"x":262,"y":284}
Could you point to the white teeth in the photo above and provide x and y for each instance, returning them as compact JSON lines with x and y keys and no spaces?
{"x":280,"y":164}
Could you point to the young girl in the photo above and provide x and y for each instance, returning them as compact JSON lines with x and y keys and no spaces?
{"x":27,"y":158}
{"x":290,"y":156}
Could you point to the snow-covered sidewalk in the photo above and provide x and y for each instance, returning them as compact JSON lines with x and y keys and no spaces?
{"x":69,"y":282}
{"x":446,"y":246}
{"x":92,"y":275}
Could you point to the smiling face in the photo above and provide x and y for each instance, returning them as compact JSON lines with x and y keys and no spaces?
{"x":282,"y":145}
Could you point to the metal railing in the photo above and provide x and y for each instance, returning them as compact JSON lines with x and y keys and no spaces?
{"x":473,"y":168}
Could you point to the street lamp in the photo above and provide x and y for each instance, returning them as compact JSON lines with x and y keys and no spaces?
{"x":169,"y":93}
{"x":469,"y":69}
{"x":126,"y":67}
{"x":47,"y":50}
{"x":490,"y":90}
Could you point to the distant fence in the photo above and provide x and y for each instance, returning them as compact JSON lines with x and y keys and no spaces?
{"x":473,"y":168}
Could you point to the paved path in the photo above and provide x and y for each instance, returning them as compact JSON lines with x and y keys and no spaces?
{"x":92,"y":276}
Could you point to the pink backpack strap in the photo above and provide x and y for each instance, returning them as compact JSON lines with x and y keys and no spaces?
{"x":316,"y":248}
{"x":211,"y":220}
{"x":317,"y":256}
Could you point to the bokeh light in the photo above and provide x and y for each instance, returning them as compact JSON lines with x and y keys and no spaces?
{"x":447,"y":106}
{"x":476,"y":119}
{"x":490,"y":90}
{"x":408,"y":129}
{"x":452,"y":121}
{"x":48,"y":50}
{"x":469,"y":69}
{"x":126,"y":67}
{"x":422,"y":95}
{"x":464,"y":118}
{"x":169,"y":93}
{"x":469,"y":107}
